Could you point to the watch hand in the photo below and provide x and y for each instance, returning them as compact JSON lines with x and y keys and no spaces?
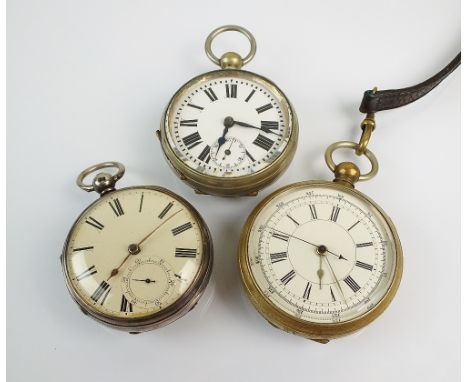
{"x":265,"y":129}
{"x":116,"y":270}
{"x":336,"y":279}
{"x":157,"y":227}
{"x":145,"y":280}
{"x":228,"y":123}
{"x":134,"y":249}
{"x":227,"y":152}
{"x":222,"y":139}
{"x":320,"y":272}
{"x":341,"y":257}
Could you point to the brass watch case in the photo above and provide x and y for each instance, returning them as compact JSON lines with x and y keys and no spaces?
{"x":321,"y":332}
{"x":230,"y":186}
{"x":180,"y":307}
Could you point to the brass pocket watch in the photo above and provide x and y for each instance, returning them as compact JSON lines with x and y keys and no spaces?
{"x":137,"y":258}
{"x":229,"y":132}
{"x":320,"y":259}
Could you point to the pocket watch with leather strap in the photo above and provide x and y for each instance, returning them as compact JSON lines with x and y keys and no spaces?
{"x":320,"y":259}
{"x":229,"y":132}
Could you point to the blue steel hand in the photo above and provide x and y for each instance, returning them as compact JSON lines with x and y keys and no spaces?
{"x":228,"y":123}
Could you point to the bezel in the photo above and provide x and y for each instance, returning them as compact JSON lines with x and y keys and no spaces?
{"x":230,"y":186}
{"x":169,"y":314}
{"x":318,"y":331}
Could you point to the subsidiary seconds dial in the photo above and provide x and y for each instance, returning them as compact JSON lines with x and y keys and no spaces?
{"x":228,"y":154}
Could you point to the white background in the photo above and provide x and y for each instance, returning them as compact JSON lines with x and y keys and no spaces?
{"x":87,"y":82}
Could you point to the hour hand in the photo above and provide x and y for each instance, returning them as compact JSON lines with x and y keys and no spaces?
{"x":228,"y":123}
{"x":221,"y":140}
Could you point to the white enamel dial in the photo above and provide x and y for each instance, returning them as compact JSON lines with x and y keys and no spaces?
{"x":133,"y":253}
{"x":242,"y":117}
{"x":322,"y":253}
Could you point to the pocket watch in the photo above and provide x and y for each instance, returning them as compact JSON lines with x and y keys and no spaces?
{"x":229,"y":132}
{"x":321,"y":259}
{"x":137,"y":258}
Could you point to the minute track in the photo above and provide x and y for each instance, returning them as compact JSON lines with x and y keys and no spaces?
{"x":221,"y":99}
{"x":291,"y":293}
{"x":133,"y":217}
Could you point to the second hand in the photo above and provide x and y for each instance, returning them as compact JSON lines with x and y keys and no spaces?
{"x":336,"y":279}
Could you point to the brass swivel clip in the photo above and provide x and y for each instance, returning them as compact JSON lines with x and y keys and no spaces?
{"x":367,"y":126}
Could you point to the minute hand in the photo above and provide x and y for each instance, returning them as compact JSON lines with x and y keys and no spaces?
{"x":265,"y":129}
{"x":314,"y":245}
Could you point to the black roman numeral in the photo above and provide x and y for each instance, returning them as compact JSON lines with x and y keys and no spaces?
{"x":186,"y":252}
{"x":125,"y":306}
{"x":332,"y":294}
{"x":263,"y":108}
{"x":184,"y":227}
{"x":352,"y":284}
{"x":264,"y":142}
{"x":250,"y":96}
{"x":280,"y":236}
{"x":105,"y":296}
{"x":192,"y":140}
{"x":231,"y":91}
{"x":165,"y":210}
{"x":141,"y":201}
{"x":292,"y":219}
{"x":102,"y":290}
{"x":116,"y":207}
{"x":277,"y":257}
{"x":361,"y":245}
{"x":354,"y":225}
{"x":211,"y":94}
{"x":288,"y":277}
{"x":313,"y":211}
{"x":189,"y":122}
{"x":94,"y":223}
{"x":90,"y":271}
{"x":82,"y":249}
{"x":334,"y":214}
{"x":364,"y":265}
{"x":250,"y":156}
{"x":269,"y":125}
{"x":195,"y":106}
{"x":306,"y":294}
{"x":205,"y":154}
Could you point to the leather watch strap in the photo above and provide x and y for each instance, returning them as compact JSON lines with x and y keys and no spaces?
{"x":389,"y":99}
